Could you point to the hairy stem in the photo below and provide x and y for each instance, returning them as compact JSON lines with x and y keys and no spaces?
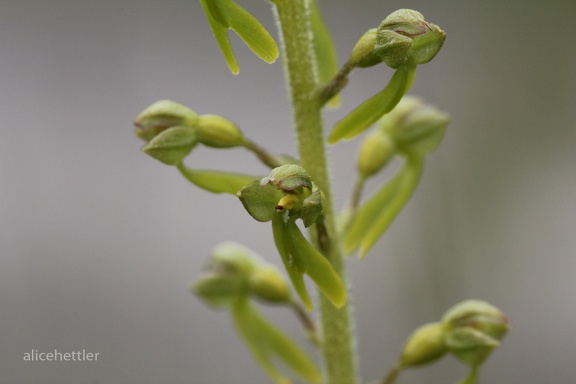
{"x":300,"y":67}
{"x":263,"y":155}
{"x":334,"y":86}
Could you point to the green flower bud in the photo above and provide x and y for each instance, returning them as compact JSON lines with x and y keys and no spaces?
{"x":217,"y":290}
{"x":233,"y":258}
{"x":288,"y":177}
{"x":172,"y":145}
{"x":415,"y":126}
{"x":230,"y":269}
{"x":375,"y":152}
{"x":267,"y":283}
{"x":161,"y":116}
{"x":218,"y":132}
{"x":405,"y":34}
{"x":479,"y":315}
{"x":425,"y":345}
{"x":473,"y":329}
{"x":363,"y":54}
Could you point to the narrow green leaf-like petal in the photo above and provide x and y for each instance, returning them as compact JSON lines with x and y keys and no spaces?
{"x":368,"y":213}
{"x":216,"y":181}
{"x":266,"y":342}
{"x":316,"y":265}
{"x":220,"y":31}
{"x":251,"y":31}
{"x":388,"y":213}
{"x":324,"y":49}
{"x":375,"y":107}
{"x":295,"y":272}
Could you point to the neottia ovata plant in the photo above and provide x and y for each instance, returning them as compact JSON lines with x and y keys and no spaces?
{"x":296,"y":194}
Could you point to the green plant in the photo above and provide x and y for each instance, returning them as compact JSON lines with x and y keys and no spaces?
{"x":299,"y":190}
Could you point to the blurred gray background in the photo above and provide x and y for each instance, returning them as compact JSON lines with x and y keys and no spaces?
{"x":98,"y":241}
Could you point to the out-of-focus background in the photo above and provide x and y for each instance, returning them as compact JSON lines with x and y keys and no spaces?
{"x":98,"y":241}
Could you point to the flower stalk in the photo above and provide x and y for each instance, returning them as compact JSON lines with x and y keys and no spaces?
{"x":300,"y":68}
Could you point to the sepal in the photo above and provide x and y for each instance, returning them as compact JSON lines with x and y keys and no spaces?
{"x":260,"y":201}
{"x":288,"y":177}
{"x":172,"y":145}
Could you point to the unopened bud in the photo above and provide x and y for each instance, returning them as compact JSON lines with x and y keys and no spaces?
{"x":415,"y":126}
{"x":229,"y":271}
{"x":233,"y":258}
{"x":473,"y":330}
{"x":217,"y":290}
{"x":218,"y":132}
{"x":363,"y":54}
{"x":375,"y":152}
{"x":479,"y":315}
{"x":172,"y":145}
{"x":161,"y":116}
{"x":405,"y":34}
{"x":267,"y":283}
{"x":425,"y":345}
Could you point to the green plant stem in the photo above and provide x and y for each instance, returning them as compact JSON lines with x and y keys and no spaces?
{"x":357,"y":193}
{"x":300,"y":68}
{"x":338,"y":82}
{"x":392,"y":375}
{"x":472,"y":376}
{"x":263,"y":155}
{"x":306,"y":321}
